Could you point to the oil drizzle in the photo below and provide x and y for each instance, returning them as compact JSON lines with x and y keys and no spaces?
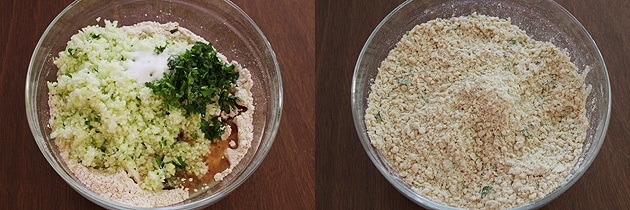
{"x":216,"y":161}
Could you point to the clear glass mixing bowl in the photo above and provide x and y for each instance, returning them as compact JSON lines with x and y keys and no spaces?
{"x":230,"y":30}
{"x":543,"y":20}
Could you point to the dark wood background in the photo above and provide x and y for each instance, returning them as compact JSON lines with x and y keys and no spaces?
{"x":285,"y":179}
{"x":347,"y":179}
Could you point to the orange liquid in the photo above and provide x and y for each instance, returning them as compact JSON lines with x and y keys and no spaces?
{"x":215,"y":160}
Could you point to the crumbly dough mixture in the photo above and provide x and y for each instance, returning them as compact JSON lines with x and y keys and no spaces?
{"x":473,"y":113}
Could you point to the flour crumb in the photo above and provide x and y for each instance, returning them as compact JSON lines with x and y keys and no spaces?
{"x":473,"y":113}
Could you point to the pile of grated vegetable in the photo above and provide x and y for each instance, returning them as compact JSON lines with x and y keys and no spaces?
{"x":132,"y":121}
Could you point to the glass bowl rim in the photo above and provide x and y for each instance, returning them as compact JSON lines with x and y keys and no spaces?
{"x":422,"y":200}
{"x":269,"y":132}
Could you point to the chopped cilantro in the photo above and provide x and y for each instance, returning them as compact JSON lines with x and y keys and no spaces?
{"x":95,"y":36}
{"x":402,"y":81}
{"x":378,"y":116}
{"x":72,"y":52}
{"x":158,"y":160}
{"x":525,"y":132}
{"x":159,"y":49}
{"x":196,"y":78}
{"x":213,"y":129}
{"x":485,"y":190}
{"x":180,"y":162}
{"x":513,"y":42}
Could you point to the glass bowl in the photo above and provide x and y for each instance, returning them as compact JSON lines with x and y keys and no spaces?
{"x":543,"y":20}
{"x":230,"y":30}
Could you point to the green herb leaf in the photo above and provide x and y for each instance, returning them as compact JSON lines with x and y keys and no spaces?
{"x":513,"y":42}
{"x":159,"y":49}
{"x":378,"y":116}
{"x":525,"y":132}
{"x":180,"y":162}
{"x":213,"y":129}
{"x":158,"y":160}
{"x":485,"y":190}
{"x":95,"y":36}
{"x":197,"y":78}
{"x":402,"y":81}
{"x":71,"y":51}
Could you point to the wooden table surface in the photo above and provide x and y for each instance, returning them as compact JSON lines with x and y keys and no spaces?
{"x":316,"y":160}
{"x":347,"y":179}
{"x":285,"y":179}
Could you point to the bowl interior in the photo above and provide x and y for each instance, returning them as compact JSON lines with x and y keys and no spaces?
{"x":230,"y":30}
{"x":543,"y":20}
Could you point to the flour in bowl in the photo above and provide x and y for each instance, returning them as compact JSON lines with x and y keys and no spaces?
{"x":150,"y":113}
{"x":473,"y":113}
